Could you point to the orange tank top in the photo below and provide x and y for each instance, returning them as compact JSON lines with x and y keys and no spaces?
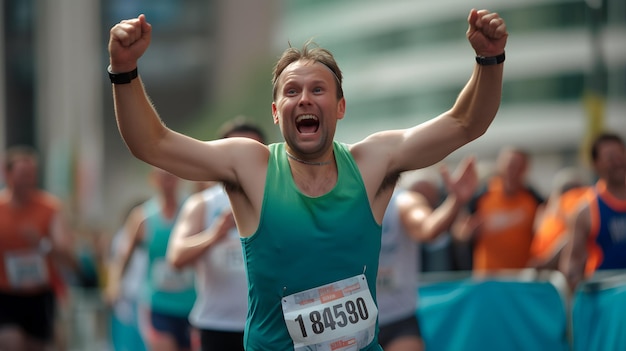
{"x":24,"y":267}
{"x":595,"y":255}
{"x":551,"y":234}
{"x":506,"y":229}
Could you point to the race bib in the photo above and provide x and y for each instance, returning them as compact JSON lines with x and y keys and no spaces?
{"x":166,"y":278}
{"x":228,"y":257}
{"x":386,"y":280}
{"x":340,"y":316}
{"x":26,"y":269}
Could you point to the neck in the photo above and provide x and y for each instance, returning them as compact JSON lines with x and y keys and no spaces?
{"x":20,"y":196}
{"x":618,"y":190}
{"x":310,"y":163}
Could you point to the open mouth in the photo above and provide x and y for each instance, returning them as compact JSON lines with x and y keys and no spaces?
{"x":307,"y":124}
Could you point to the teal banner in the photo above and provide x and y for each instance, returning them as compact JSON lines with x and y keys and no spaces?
{"x":498,"y":314}
{"x":599,"y":313}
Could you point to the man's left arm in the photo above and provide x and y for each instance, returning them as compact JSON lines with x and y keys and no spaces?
{"x":475,"y":107}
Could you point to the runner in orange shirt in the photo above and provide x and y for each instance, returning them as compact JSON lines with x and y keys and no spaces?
{"x":551,"y":228}
{"x":33,"y":237}
{"x":502,"y":216}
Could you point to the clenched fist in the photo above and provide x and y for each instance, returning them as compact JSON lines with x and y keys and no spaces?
{"x":487,"y":33}
{"x":128,"y":40}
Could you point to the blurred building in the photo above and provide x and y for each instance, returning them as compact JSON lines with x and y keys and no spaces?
{"x":55,"y":93}
{"x":406,"y":61}
{"x":403,"y":62}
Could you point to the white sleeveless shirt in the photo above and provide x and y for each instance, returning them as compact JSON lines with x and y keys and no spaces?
{"x":221,"y":285}
{"x":396,"y":285}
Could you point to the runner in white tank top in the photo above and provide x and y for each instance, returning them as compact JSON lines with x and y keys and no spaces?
{"x":206,"y":236}
{"x":409,"y":220}
{"x":222,"y":298}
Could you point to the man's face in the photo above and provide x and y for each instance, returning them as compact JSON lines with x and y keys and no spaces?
{"x":512,"y":167}
{"x":611,"y":162}
{"x":23,"y":173}
{"x":166,"y":182}
{"x":306,"y":106}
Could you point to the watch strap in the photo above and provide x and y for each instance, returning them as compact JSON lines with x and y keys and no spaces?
{"x":490,"y":60}
{"x":122,"y":78}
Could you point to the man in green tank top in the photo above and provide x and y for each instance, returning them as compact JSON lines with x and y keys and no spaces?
{"x":309,"y":208}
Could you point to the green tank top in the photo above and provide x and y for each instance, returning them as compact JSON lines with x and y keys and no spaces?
{"x":303,"y":243}
{"x":166,"y":290}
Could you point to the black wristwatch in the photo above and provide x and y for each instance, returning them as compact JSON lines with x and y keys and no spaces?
{"x":491,"y":60}
{"x":122,"y":78}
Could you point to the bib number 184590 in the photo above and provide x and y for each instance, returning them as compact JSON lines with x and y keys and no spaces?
{"x":342,"y":312}
{"x":338,"y":315}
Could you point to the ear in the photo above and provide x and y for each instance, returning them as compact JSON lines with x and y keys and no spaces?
{"x":341,"y":108}
{"x":274,"y":113}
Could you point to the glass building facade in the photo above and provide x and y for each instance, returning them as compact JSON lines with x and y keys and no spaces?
{"x":406,"y":61}
{"x":403,"y":62}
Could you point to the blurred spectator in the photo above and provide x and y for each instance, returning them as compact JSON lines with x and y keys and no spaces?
{"x":410,"y":219}
{"x":598,"y":239}
{"x":443,"y":252}
{"x":125,"y":332}
{"x":206,"y":238}
{"x":502,"y":215}
{"x":34,"y":243}
{"x":568,"y":189}
{"x":167,"y":294}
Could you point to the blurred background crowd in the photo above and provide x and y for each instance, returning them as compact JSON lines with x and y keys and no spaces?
{"x":403,"y":62}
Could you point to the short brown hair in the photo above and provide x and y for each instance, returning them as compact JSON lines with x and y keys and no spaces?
{"x":310,"y":51}
{"x":602,"y":138}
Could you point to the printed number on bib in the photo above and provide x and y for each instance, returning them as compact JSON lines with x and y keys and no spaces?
{"x":227,"y":255}
{"x":337,"y":317}
{"x":26,"y":269}
{"x":341,"y":313}
{"x":168,"y":279}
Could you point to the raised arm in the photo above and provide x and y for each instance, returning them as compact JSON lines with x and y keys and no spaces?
{"x":190,"y":239}
{"x":423,"y":222}
{"x":146,"y":135}
{"x":469,"y":117}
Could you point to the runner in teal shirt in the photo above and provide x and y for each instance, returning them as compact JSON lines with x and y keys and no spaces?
{"x":167,"y":290}
{"x":334,"y":236}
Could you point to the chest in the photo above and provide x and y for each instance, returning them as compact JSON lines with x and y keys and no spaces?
{"x":315,"y":186}
{"x":20,"y":226}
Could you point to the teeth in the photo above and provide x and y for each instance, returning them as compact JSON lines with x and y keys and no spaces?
{"x":305,"y":117}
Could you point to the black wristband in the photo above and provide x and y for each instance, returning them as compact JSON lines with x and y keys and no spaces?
{"x":122,"y":78}
{"x":491,"y":60}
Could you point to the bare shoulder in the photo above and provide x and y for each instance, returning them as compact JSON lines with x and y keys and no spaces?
{"x":245,"y":150}
{"x":377,"y":148}
{"x":253,"y":157}
{"x":233,"y":160}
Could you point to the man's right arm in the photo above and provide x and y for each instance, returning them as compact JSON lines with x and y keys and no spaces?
{"x":146,"y":135}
